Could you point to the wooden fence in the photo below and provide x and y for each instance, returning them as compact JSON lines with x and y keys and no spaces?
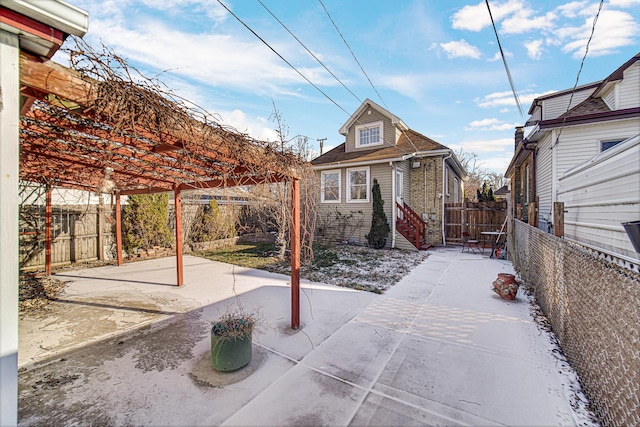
{"x":81,"y":233}
{"x":473,"y":217}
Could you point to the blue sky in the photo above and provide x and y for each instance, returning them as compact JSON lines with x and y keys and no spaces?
{"x":434,"y":63}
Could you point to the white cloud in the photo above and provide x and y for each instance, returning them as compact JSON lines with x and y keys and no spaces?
{"x":476,"y":17}
{"x":613,"y":29}
{"x":213,"y":59}
{"x":213,"y":10}
{"x":498,"y":145}
{"x":460,"y":49}
{"x":624,"y":3}
{"x":504,"y":110}
{"x":501,"y":99}
{"x":524,"y":21}
{"x":489,"y":125}
{"x":572,"y":9}
{"x":534,"y":49}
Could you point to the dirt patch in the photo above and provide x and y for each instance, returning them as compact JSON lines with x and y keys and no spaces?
{"x":36,"y":292}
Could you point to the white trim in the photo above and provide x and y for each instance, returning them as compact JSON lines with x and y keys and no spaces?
{"x":395,"y":120}
{"x":446,"y":180}
{"x":368,"y":126}
{"x":394,"y":210}
{"x":9,"y":274}
{"x":57,"y":14}
{"x":456,"y":190}
{"x":361,"y":163}
{"x":322,"y":174}
{"x":368,"y":184}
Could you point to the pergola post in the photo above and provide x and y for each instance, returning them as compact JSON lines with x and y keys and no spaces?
{"x":295,"y":253}
{"x":178,"y":215}
{"x":47,"y":233}
{"x":118,"y":230}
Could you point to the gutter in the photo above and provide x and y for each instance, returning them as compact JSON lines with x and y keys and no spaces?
{"x":394,"y":210}
{"x":56,"y":13}
{"x":361,"y":163}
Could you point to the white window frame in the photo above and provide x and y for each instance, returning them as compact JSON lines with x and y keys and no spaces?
{"x":366,"y":126}
{"x":368,"y":184}
{"x":322,"y":186}
{"x":456,"y":190}
{"x":446,"y":181}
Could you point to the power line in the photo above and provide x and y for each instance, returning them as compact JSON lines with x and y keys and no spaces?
{"x":305,"y":78}
{"x":353,"y":54}
{"x":281,"y":57}
{"x":504,"y":61}
{"x":363,"y":71}
{"x":310,"y":52}
{"x":573,"y":91}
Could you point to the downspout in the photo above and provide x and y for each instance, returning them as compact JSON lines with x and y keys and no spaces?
{"x":444,"y":170}
{"x":394,"y":210}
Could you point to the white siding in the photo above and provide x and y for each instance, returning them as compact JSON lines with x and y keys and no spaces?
{"x":629,"y":88}
{"x":543,"y":180}
{"x":609,"y":98}
{"x":556,"y":106}
{"x":580,"y":143}
{"x":601,"y":194}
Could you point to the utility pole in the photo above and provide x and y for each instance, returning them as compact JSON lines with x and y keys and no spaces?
{"x":321,"y":141}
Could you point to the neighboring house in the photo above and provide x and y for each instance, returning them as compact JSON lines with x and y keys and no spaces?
{"x":567,"y":141}
{"x":521,"y":176}
{"x":502,"y":193}
{"x":416,"y":174}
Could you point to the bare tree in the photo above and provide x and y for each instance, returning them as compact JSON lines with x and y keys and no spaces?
{"x":477,"y":175}
{"x":496,"y":180}
{"x":272,"y":203}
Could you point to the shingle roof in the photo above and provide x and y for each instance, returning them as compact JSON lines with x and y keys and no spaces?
{"x":409,"y":142}
{"x":587,"y":107}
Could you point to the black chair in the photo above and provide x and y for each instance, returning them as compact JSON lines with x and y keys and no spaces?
{"x":469,"y":243}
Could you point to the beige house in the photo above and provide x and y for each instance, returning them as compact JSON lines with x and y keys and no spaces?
{"x":416,"y":174}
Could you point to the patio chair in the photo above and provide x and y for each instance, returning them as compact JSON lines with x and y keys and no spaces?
{"x":469,"y":243}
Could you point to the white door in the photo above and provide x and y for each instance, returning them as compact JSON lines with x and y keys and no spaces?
{"x":399,"y":190}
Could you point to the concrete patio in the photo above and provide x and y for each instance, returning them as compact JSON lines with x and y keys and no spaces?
{"x":125,"y":347}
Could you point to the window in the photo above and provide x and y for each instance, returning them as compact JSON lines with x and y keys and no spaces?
{"x":456,"y":190}
{"x":358,"y":185}
{"x":446,"y":180}
{"x":605,"y":145}
{"x":527,"y":185}
{"x":369,"y":135}
{"x":330,"y":192}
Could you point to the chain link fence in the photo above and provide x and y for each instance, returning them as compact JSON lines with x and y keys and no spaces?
{"x":593,"y":306}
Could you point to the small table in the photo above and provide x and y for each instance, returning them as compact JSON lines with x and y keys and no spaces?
{"x":495,"y":243}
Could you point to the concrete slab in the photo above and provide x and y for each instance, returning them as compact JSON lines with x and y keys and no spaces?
{"x":439,"y":348}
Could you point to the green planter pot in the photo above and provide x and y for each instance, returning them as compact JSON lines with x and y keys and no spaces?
{"x":230,"y":354}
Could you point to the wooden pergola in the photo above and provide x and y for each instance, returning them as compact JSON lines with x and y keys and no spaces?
{"x":93,"y":129}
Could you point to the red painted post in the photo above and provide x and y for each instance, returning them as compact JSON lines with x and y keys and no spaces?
{"x":47,"y":234}
{"x":295,"y":254}
{"x":178,"y":211}
{"x":118,"y":230}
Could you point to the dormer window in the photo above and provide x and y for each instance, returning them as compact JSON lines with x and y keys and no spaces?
{"x":369,"y":135}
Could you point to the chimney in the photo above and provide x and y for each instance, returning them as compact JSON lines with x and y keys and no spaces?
{"x":519,"y":136}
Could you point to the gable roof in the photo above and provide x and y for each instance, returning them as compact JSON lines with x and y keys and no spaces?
{"x":410,"y":143}
{"x":395,"y":120}
{"x":617,"y":75}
